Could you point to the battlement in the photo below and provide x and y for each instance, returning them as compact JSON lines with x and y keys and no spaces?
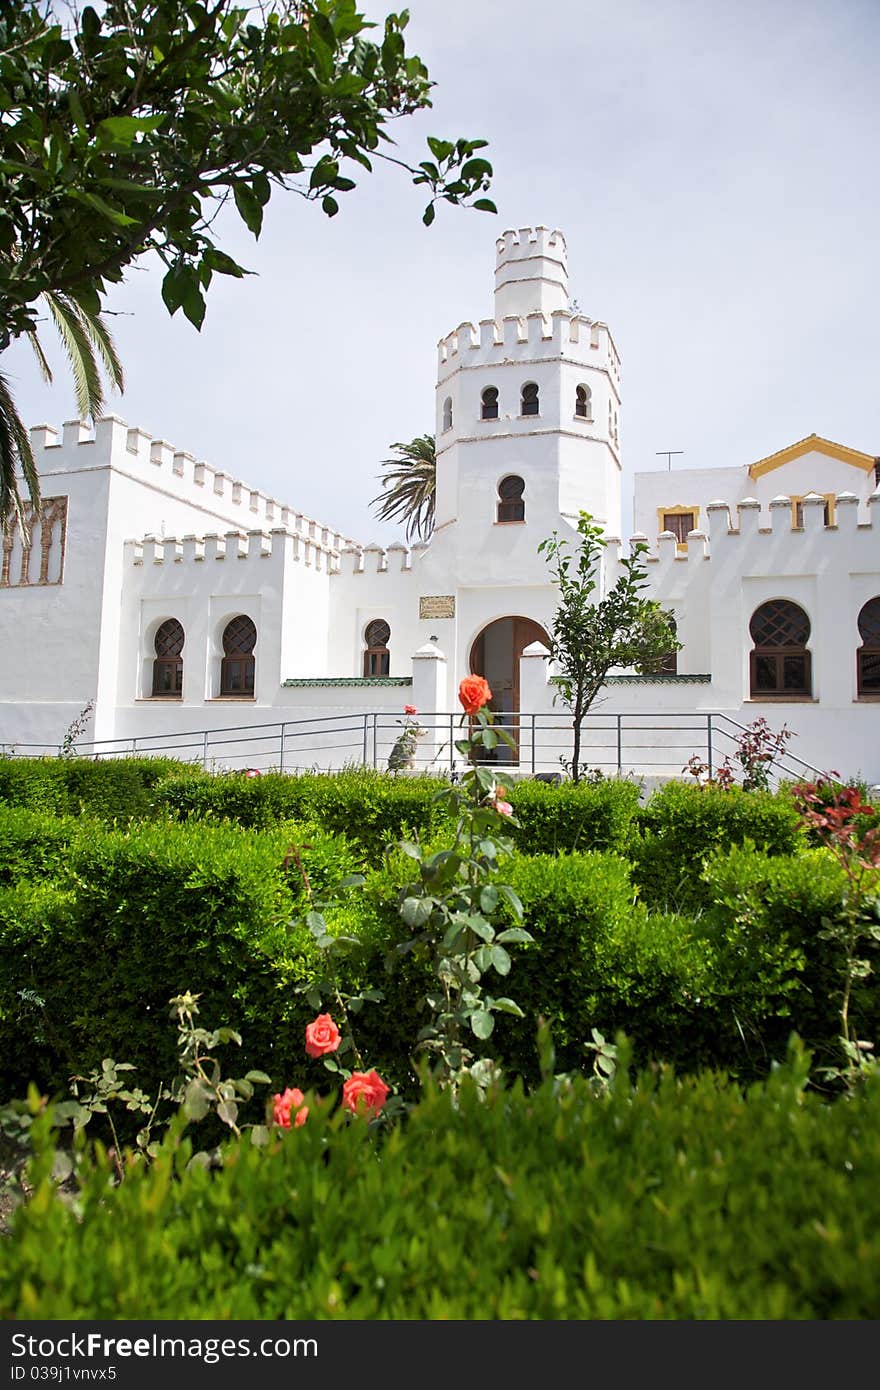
{"x":531,"y":271}
{"x":393,"y":559}
{"x":794,"y":521}
{"x":537,"y":334}
{"x":131,"y":450}
{"x":232,"y":546}
{"x":515,"y":245}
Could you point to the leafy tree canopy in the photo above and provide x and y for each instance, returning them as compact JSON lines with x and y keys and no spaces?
{"x":123,"y":131}
{"x":592,"y":635}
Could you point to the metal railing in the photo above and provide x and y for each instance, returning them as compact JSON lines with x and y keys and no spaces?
{"x":649,"y":743}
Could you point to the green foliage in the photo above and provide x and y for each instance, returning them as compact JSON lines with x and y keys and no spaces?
{"x":371,"y":808}
{"x":776,"y":968}
{"x":591,"y":636}
{"x":137,"y":917}
{"x":660,"y":1199}
{"x":118,"y":789}
{"x":125,"y":130}
{"x":682,"y":824}
{"x":569,"y":816}
{"x":409,"y":487}
{"x":33,"y":844}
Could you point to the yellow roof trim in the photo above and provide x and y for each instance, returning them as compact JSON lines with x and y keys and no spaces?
{"x":813,"y":444}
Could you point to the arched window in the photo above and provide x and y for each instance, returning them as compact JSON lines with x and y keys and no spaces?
{"x":583,"y":403}
{"x":447,"y":414}
{"x":869,"y":651}
{"x":168,"y":665}
{"x":780,"y":662}
{"x":377,"y":658}
{"x":530,"y":401}
{"x":489,"y":403}
{"x":237,"y":666}
{"x":511,"y":502}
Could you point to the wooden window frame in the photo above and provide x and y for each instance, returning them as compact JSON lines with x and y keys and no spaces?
{"x":483,"y":406}
{"x":664,"y":512}
{"x":869,"y":649}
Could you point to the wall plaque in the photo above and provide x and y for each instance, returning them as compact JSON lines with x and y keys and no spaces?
{"x":437,"y":606}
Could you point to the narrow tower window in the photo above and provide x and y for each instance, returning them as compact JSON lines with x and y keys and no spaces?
{"x":489,"y":407}
{"x":780,"y":661}
{"x":237,"y":666}
{"x":377,"y":658}
{"x":530,"y":399}
{"x":511,"y":501}
{"x":583,"y":403}
{"x":168,"y":665}
{"x":869,"y":651}
{"x":447,"y":414}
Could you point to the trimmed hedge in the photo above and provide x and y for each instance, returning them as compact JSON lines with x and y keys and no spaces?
{"x":89,"y":962}
{"x":118,"y":789}
{"x":377,"y":808}
{"x":90,"y":956}
{"x":683,"y":824}
{"x":666,"y":1199}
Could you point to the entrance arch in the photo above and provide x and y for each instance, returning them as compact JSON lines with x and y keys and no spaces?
{"x":495,"y":654}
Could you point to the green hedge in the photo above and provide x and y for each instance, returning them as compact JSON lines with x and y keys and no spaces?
{"x":683,"y":824}
{"x":766,"y":922}
{"x":89,"y":962}
{"x":118,"y":789}
{"x":99,"y":928}
{"x":667,"y":1199}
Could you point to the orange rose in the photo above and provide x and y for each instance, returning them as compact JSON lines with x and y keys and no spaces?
{"x":321,"y":1036}
{"x":364,"y":1093}
{"x":474,"y":693}
{"x":291,"y":1099}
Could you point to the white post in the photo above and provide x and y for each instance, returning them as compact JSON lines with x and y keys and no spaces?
{"x":429,"y":695}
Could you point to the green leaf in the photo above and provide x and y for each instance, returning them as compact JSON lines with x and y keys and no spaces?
{"x":260,"y":1136}
{"x":196,"y":1100}
{"x":416,"y":911}
{"x":428,"y":215}
{"x":501,"y":960}
{"x":227,"y":1111}
{"x":514,"y":936}
{"x":489,"y":898}
{"x":258,"y":1077}
{"x":506,"y":1006}
{"x":330,"y":205}
{"x":482,"y":1023}
{"x":122,"y":130}
{"x":250,"y":209}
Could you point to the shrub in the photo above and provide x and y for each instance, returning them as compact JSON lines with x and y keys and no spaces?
{"x":682,"y":824}
{"x":33,"y":844}
{"x":569,"y":817}
{"x":665,"y":1199}
{"x":776,"y":970}
{"x":110,"y":789}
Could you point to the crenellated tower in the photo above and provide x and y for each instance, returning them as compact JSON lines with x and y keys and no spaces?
{"x":533,"y":395}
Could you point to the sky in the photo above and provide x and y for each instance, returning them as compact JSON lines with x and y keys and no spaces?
{"x":714,"y":168}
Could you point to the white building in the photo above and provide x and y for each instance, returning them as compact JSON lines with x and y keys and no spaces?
{"x":182,"y":601}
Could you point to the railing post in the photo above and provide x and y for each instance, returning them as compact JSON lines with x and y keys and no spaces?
{"x":205,"y":750}
{"x":709,"y":737}
{"x":281,"y":751}
{"x":619,"y":744}
{"x":375,"y":741}
{"x":134,"y":747}
{"x":451,"y":744}
{"x":366,"y":727}
{"x":533,"y":744}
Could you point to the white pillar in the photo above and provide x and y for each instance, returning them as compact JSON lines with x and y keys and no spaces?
{"x":429,"y":697}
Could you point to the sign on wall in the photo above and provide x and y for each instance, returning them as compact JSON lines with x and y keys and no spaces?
{"x":437,"y":606}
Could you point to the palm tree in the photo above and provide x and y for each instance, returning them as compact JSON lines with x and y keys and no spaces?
{"x":409,"y":487}
{"x":89,"y":349}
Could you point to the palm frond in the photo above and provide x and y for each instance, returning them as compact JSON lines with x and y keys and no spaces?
{"x":100,"y":335}
{"x":80,"y":354}
{"x":409,"y":487}
{"x":15,"y":453}
{"x":45,"y":369}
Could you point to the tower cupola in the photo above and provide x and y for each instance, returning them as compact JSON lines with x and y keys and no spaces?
{"x":531,"y":272}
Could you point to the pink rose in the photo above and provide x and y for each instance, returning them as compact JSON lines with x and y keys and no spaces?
{"x":410,"y":709}
{"x":364,"y":1093}
{"x":291,"y":1099}
{"x":322,"y":1036}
